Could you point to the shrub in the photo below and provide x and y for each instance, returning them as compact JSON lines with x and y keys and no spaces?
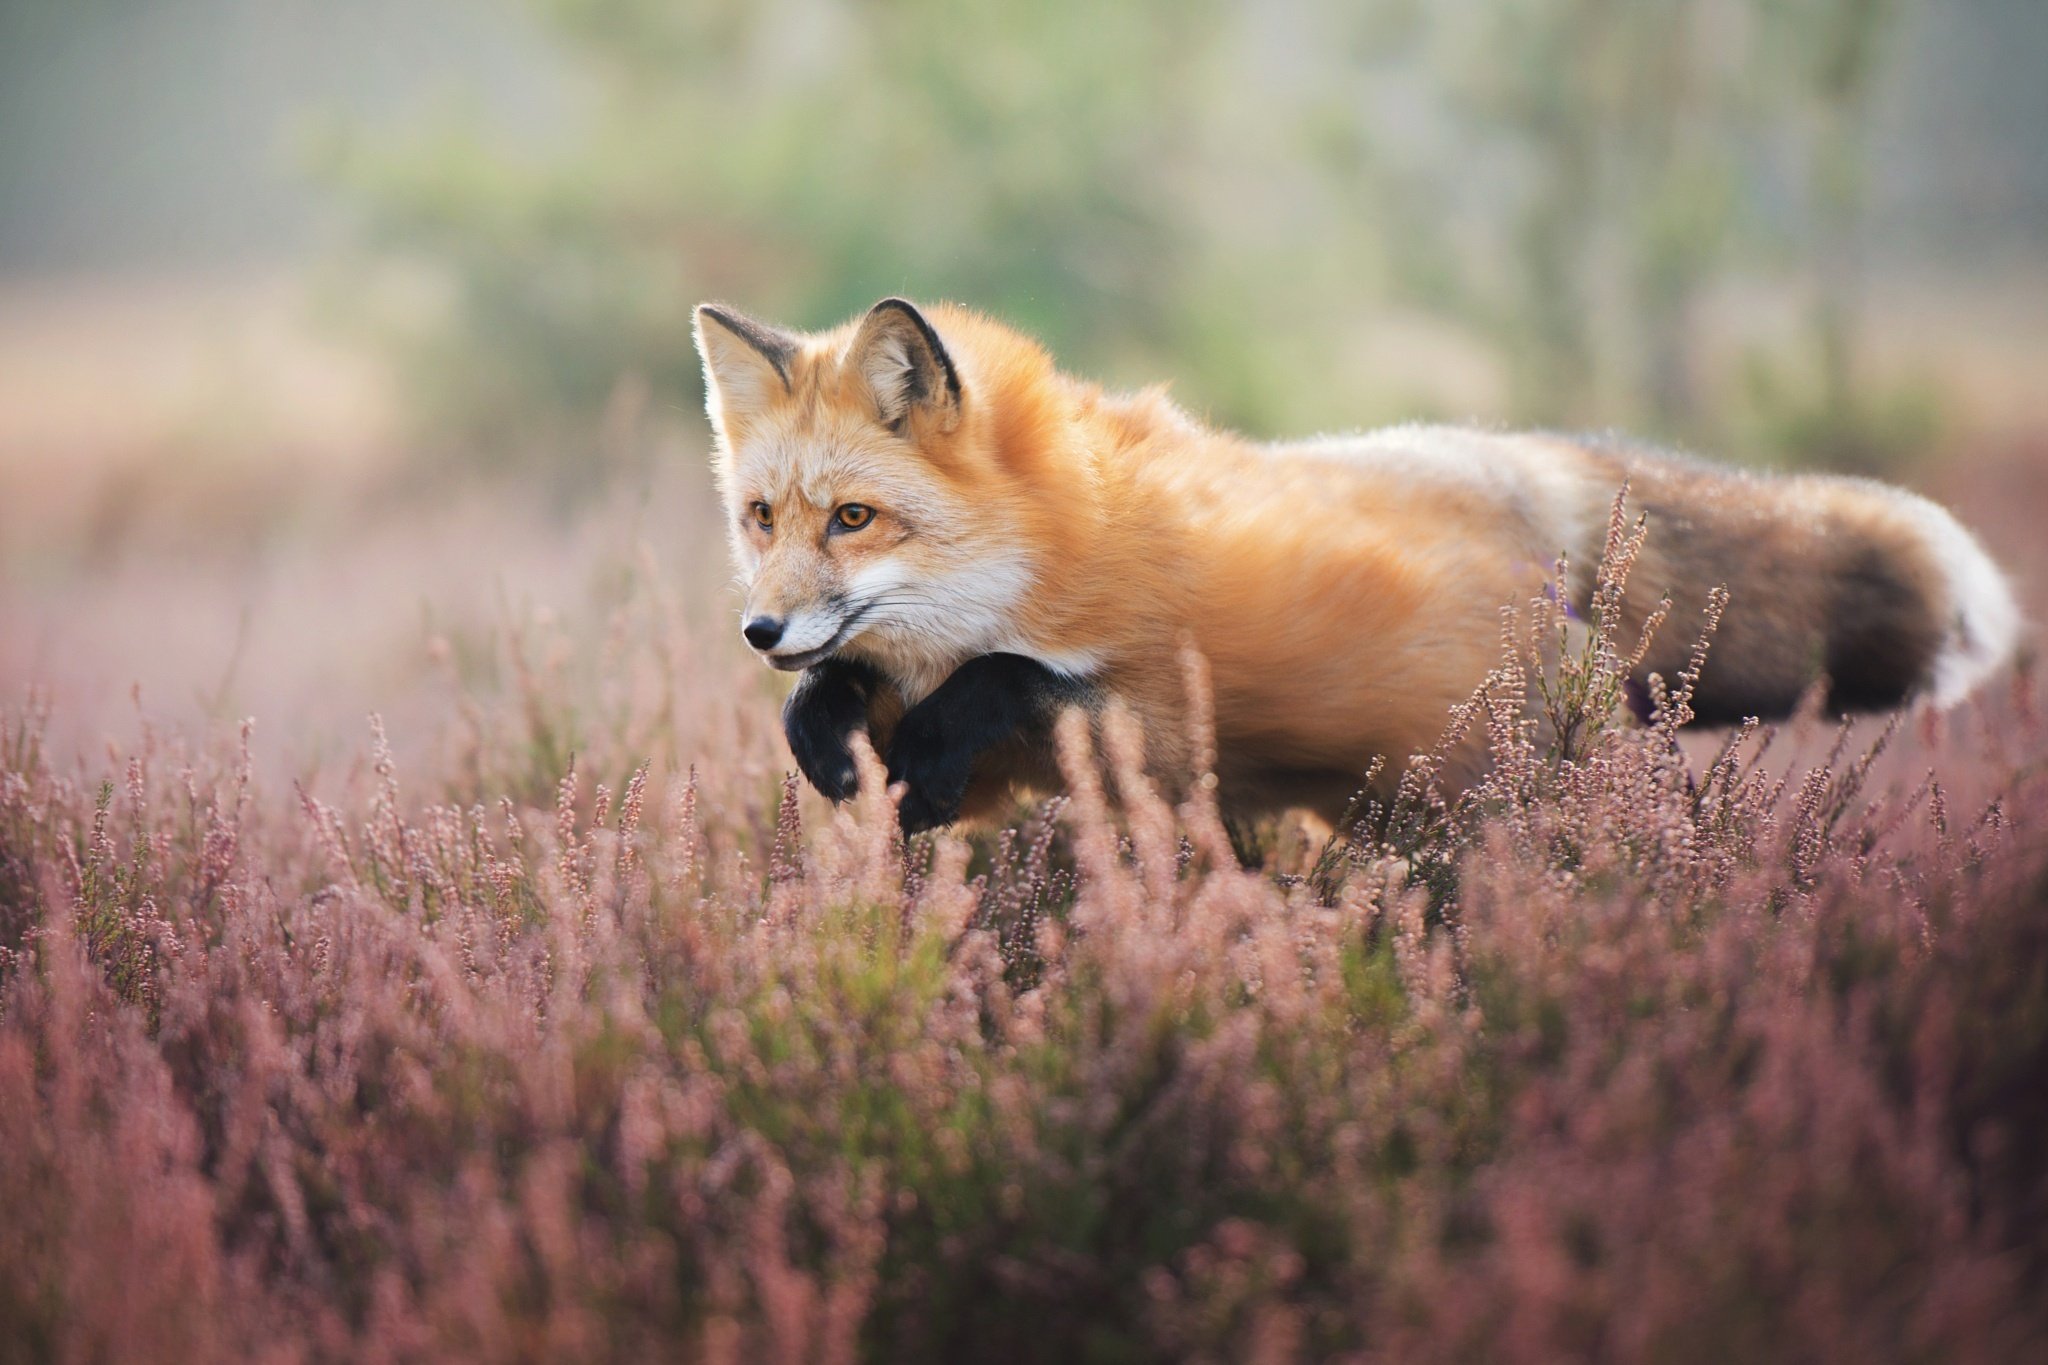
{"x":1647,"y":1047}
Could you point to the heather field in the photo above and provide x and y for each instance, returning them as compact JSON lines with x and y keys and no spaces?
{"x":415,"y":946}
{"x":566,"y":1026}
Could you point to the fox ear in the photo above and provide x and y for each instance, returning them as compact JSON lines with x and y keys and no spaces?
{"x":746,"y":363}
{"x":906,"y":366}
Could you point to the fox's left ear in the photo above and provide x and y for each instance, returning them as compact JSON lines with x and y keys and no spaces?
{"x":746,"y":363}
{"x":906,"y":366}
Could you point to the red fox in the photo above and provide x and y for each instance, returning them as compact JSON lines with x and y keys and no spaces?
{"x":952,"y":541}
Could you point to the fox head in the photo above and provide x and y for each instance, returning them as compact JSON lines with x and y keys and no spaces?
{"x":870,"y":504}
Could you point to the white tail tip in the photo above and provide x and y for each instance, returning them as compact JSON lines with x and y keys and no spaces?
{"x":1983,"y":616}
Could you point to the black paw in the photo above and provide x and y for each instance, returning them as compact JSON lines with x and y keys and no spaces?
{"x":933,"y":764}
{"x":829,"y":704}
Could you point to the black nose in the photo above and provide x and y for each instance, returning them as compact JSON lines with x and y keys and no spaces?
{"x":762,"y":632}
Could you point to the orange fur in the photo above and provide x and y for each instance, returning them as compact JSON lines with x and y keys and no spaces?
{"x":1346,"y":593}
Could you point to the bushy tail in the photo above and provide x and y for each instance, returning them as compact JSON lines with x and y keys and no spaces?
{"x":1878,"y":590}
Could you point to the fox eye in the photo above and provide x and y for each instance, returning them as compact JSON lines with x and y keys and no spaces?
{"x":764,"y":516}
{"x":853,"y":515}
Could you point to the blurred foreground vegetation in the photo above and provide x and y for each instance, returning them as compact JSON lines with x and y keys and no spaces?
{"x":1306,"y":215}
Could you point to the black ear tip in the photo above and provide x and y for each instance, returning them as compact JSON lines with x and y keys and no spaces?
{"x":896,"y":304}
{"x":709,"y":315}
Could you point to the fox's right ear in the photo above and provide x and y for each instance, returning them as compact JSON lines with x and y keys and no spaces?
{"x":746,"y":363}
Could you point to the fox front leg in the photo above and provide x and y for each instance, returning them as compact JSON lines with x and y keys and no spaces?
{"x":988,"y":700}
{"x":829,"y":704}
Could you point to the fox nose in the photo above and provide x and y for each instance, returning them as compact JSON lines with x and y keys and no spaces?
{"x":762,"y":631}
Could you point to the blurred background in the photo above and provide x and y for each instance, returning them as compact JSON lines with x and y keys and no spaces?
{"x":344,"y":349}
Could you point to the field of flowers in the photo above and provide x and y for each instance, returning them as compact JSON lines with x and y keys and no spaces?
{"x":594,"y":1037}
